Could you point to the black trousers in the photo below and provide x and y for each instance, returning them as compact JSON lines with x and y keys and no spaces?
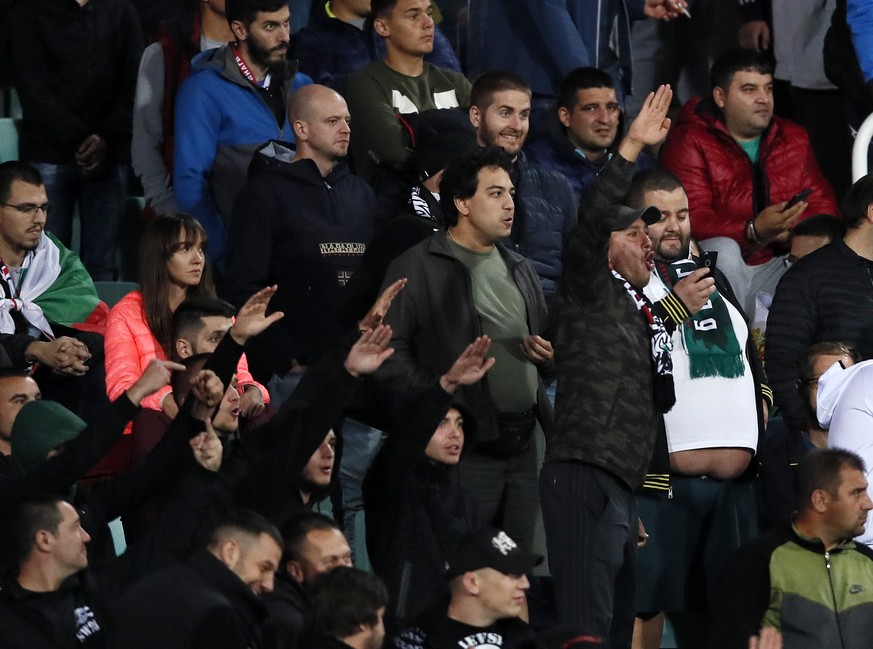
{"x":590,"y":519}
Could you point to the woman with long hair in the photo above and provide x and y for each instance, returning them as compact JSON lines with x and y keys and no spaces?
{"x":172,"y":268}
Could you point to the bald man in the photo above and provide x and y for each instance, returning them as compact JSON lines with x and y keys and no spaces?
{"x":303,"y":222}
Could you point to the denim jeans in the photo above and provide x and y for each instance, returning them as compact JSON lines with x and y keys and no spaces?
{"x":361,"y":444}
{"x":101,"y":206}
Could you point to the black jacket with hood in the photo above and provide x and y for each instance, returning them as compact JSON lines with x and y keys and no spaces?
{"x":307,"y":233}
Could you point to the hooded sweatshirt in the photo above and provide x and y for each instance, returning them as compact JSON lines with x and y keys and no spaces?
{"x":845,"y":408}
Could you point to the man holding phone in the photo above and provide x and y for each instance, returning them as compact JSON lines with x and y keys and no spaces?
{"x":702,"y":507}
{"x":750,"y":176}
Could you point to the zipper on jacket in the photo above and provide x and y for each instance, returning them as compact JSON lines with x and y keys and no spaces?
{"x":827,"y":556}
{"x":403,"y":593}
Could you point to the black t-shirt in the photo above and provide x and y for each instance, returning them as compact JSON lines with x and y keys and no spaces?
{"x":441,"y":632}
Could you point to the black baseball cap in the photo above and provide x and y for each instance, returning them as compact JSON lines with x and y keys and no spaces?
{"x":623,"y":216}
{"x":489,"y":548}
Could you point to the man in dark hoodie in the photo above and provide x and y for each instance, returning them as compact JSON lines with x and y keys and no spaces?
{"x":303,"y":222}
{"x":415,"y":504}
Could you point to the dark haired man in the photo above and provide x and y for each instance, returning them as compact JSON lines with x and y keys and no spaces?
{"x":399,"y":84}
{"x":826,"y":296}
{"x":813,"y":233}
{"x":740,"y":166}
{"x":234,"y":100}
{"x":466,"y":284}
{"x":581,"y":129}
{"x":345,"y":611}
{"x":712,"y":431}
{"x":545,"y":207}
{"x":340,"y":38}
{"x":807,"y":578}
{"x":213,"y":599}
{"x":314,"y":545}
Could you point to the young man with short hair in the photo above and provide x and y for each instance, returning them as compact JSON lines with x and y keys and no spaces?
{"x":741,"y":166}
{"x":487,"y":573}
{"x":582,"y":129}
{"x":545,"y":207}
{"x":345,"y":611}
{"x":399,"y":84}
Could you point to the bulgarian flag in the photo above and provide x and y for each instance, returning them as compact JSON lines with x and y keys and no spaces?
{"x":55,"y":287}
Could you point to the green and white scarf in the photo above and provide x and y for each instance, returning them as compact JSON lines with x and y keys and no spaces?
{"x":712,"y":344}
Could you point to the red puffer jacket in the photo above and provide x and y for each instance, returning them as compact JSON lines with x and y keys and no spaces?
{"x":718,"y":175}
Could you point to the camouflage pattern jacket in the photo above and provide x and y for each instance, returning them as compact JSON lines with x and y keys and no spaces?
{"x":605,"y":413}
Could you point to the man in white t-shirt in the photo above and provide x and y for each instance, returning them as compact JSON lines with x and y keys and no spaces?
{"x":699,"y":509}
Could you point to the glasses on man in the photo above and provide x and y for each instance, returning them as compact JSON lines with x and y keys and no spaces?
{"x":28,"y":208}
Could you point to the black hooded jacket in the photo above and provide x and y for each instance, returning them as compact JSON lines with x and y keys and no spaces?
{"x":307,"y":233}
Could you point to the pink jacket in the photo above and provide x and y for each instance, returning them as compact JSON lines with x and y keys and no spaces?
{"x":129,"y":346}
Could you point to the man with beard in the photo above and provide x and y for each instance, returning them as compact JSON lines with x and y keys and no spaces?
{"x":712,"y":430}
{"x":545,"y":205}
{"x":234,"y":101}
{"x":46,"y":294}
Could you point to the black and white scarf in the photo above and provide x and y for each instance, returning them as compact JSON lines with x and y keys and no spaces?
{"x":661,"y":347}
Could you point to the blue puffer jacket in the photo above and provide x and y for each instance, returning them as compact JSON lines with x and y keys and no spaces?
{"x":220,"y":121}
{"x":329,"y":49}
{"x":542,"y":41}
{"x":552,"y":149}
{"x":545,"y":217}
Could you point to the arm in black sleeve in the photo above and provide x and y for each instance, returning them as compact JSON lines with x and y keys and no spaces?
{"x":297,"y":430}
{"x":169,"y":460}
{"x":62,"y":471}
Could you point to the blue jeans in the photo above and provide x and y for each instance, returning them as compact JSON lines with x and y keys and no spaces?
{"x":361,"y":444}
{"x":101,"y":206}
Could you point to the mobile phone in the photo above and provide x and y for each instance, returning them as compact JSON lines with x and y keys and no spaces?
{"x":708,"y":259}
{"x":799,"y":196}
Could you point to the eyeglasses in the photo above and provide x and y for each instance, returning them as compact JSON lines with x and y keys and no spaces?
{"x":28,"y":208}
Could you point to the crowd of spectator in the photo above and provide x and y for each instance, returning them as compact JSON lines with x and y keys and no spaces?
{"x":441,"y":339}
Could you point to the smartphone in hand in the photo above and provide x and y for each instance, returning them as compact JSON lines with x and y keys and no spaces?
{"x":799,"y":196}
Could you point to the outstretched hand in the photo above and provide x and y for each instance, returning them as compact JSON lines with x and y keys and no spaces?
{"x":650,"y":126}
{"x":469,"y":367}
{"x":252,"y":318}
{"x":367,"y":355}
{"x":157,"y":374}
{"x":374,"y":316}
